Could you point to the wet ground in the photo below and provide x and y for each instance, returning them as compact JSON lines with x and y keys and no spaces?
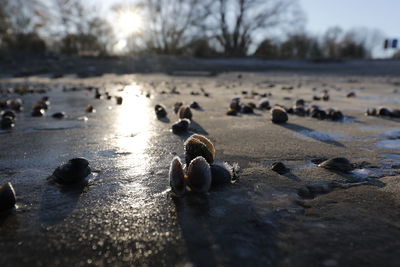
{"x":126,"y":215}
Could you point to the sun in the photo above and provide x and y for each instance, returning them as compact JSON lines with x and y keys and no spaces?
{"x":127,"y":23}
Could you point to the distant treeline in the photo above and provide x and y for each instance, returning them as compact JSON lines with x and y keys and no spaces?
{"x":200,"y":28}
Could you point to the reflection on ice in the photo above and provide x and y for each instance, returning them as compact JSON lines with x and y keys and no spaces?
{"x":133,"y":126}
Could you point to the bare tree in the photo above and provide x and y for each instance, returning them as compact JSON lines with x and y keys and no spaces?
{"x":171,"y":24}
{"x":79,"y":28}
{"x":235,"y":23}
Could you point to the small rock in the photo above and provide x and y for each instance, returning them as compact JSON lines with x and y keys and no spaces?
{"x":181,"y":126}
{"x":371,"y":112}
{"x":382,"y":111}
{"x":7,"y":197}
{"x":231,"y":112}
{"x":38,"y":112}
{"x":195,"y":105}
{"x":300,"y":102}
{"x":59,"y":115}
{"x":279,"y":167}
{"x":160,"y":110}
{"x":7,"y":123}
{"x":90,"y":109}
{"x":351,"y":94}
{"x":177,"y":106}
{"x":235,"y":104}
{"x":279,"y":115}
{"x":9,"y":113}
{"x":119,"y":100}
{"x":185,"y":113}
{"x":74,"y":171}
{"x":247,"y":109}
{"x":264,"y":104}
{"x":337,"y":164}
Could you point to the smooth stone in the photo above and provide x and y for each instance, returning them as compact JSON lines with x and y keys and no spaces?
{"x":384,"y":111}
{"x":7,"y":196}
{"x":300,"y":102}
{"x":38,"y":113}
{"x":351,"y":94}
{"x":371,"y":112}
{"x":264,"y":104}
{"x":247,"y":109}
{"x":59,"y":115}
{"x":231,"y":112}
{"x":119,"y":100}
{"x":318,"y":114}
{"x":337,"y":164}
{"x":335,"y":115}
{"x":89,"y":109}
{"x":181,"y":126}
{"x":185,"y":113}
{"x":177,"y":106}
{"x":195,"y":105}
{"x":199,"y":175}
{"x":221,"y":174}
{"x":235,"y":104}
{"x":160,"y":111}
{"x":74,"y":171}
{"x":9,"y":113}
{"x":279,"y":167}
{"x":7,"y":123}
{"x":279,"y":115}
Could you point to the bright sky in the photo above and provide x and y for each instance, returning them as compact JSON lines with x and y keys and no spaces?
{"x":379,"y":14}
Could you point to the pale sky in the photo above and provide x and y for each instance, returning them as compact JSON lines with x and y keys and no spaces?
{"x":383,"y":15}
{"x":379,"y":14}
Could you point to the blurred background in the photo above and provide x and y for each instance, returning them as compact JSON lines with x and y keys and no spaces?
{"x":268,"y":29}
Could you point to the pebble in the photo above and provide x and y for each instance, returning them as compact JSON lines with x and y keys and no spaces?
{"x":279,"y":167}
{"x":279,"y":115}
{"x":195,"y":105}
{"x":59,"y":115}
{"x":264,"y":104}
{"x":181,"y":126}
{"x":160,"y":111}
{"x":185,"y":112}
{"x":119,"y":100}
{"x":90,"y":109}
{"x":247,"y":109}
{"x":7,"y":196}
{"x":74,"y":171}
{"x":337,"y":164}
{"x":231,"y":112}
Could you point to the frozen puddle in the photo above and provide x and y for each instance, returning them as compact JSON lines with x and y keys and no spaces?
{"x":321,"y":136}
{"x":392,"y":142}
{"x":389,"y":144}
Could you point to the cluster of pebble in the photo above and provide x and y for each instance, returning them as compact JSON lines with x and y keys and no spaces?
{"x":199,"y":172}
{"x":384,"y":112}
{"x":184,"y":113}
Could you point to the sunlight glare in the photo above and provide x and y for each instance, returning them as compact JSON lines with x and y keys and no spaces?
{"x":128,"y":22}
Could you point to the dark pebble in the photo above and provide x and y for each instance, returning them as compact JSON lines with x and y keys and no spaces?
{"x":7,"y":197}
{"x":59,"y":115}
{"x":160,"y":110}
{"x":231,"y":112}
{"x":279,"y":115}
{"x":195,"y":105}
{"x":337,"y":164}
{"x":384,"y":112}
{"x":247,"y":109}
{"x":181,"y":126}
{"x":74,"y":171}
{"x":279,"y":167}
{"x":38,"y":113}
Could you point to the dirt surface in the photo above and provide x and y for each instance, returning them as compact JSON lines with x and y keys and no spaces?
{"x":127,"y":214}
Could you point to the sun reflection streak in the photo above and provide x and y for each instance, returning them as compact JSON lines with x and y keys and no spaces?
{"x":133,"y":126}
